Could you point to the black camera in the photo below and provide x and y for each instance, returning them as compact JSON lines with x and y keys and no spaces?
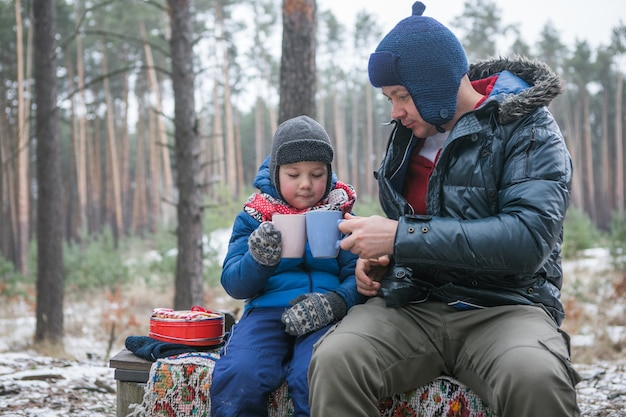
{"x":398,"y":288}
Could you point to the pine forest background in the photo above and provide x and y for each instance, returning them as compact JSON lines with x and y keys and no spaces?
{"x":115,"y":108}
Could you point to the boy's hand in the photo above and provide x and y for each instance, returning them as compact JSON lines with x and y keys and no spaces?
{"x":264,"y":244}
{"x":368,"y":274}
{"x":313,"y":311}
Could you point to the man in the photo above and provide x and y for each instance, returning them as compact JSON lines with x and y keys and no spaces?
{"x":465,"y":272}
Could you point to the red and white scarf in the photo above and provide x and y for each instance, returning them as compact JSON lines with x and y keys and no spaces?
{"x":262,"y":206}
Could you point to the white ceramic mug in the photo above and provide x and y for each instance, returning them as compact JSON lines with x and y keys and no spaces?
{"x":292,"y":228}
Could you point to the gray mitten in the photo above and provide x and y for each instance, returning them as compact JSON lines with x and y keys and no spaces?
{"x":310,"y":312}
{"x":264,"y":244}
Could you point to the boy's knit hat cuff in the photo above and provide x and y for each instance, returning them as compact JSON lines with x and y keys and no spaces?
{"x":304,"y":150}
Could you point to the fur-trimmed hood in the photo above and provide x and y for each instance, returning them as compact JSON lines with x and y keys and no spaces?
{"x":545,"y":85}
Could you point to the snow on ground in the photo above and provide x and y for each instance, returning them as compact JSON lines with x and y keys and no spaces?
{"x":218,"y":242}
{"x":602,"y":392}
{"x":32,"y":385}
{"x":79,"y":382}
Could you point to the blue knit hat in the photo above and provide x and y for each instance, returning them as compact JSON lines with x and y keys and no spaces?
{"x":427,"y":59}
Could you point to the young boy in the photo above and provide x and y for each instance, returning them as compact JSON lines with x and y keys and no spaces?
{"x":290,"y":303}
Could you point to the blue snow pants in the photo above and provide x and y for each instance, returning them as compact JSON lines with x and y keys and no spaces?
{"x":256,"y":359}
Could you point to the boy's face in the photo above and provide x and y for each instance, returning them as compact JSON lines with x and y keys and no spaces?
{"x":303,"y":184}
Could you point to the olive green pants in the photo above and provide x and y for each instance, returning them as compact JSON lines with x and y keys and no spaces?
{"x":513,"y":357}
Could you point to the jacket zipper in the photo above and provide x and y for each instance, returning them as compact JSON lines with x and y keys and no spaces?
{"x":404,"y":155}
{"x":529,"y":149}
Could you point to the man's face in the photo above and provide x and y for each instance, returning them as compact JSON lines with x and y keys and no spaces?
{"x":403,"y":109}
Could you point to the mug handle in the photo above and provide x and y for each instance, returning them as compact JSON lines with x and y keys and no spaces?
{"x":343,"y":236}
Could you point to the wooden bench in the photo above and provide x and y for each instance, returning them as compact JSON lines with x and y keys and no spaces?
{"x":144,"y":384}
{"x":131,"y":374}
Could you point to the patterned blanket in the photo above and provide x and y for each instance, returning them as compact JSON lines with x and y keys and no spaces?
{"x":178,"y":386}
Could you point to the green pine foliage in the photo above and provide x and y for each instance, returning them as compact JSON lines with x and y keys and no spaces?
{"x":579,"y":233}
{"x":96,"y":263}
{"x":11,"y":281}
{"x":367,"y":206}
{"x":617,"y":241}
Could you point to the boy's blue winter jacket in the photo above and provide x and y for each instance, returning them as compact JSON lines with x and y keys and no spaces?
{"x":275,"y":286}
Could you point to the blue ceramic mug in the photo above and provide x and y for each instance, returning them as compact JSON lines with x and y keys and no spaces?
{"x":323,"y":232}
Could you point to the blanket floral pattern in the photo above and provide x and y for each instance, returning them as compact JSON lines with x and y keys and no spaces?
{"x":179,"y":386}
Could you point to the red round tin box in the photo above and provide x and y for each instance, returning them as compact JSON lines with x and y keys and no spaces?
{"x":195,"y":327}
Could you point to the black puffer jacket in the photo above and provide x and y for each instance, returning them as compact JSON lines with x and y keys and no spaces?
{"x":496,"y":200}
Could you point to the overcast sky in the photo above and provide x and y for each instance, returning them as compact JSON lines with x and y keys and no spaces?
{"x":587,"y":20}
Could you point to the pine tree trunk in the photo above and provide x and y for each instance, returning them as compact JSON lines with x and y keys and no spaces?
{"x":217,"y":137}
{"x":619,"y":146}
{"x":94,"y":179}
{"x":298,"y":78}
{"x":588,"y":158}
{"x":341,"y":148}
{"x":231,"y":148}
{"x":239,"y":154}
{"x":206,"y":153}
{"x":189,"y":278}
{"x":114,"y":172}
{"x":8,"y":219}
{"x":164,"y":176}
{"x":73,"y":212}
{"x":49,"y":326}
{"x":370,"y":156}
{"x":356,"y":162}
{"x":124,"y":156}
{"x":605,"y":199}
{"x":139,"y":202}
{"x":572,"y":140}
{"x":259,"y":132}
{"x":23,"y":180}
{"x":80,"y":156}
{"x":155,"y":173}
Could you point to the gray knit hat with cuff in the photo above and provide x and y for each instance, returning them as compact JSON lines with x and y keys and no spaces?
{"x":297,"y":140}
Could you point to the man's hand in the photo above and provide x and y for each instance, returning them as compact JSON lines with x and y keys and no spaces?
{"x":368,"y":274}
{"x":368,"y":237}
